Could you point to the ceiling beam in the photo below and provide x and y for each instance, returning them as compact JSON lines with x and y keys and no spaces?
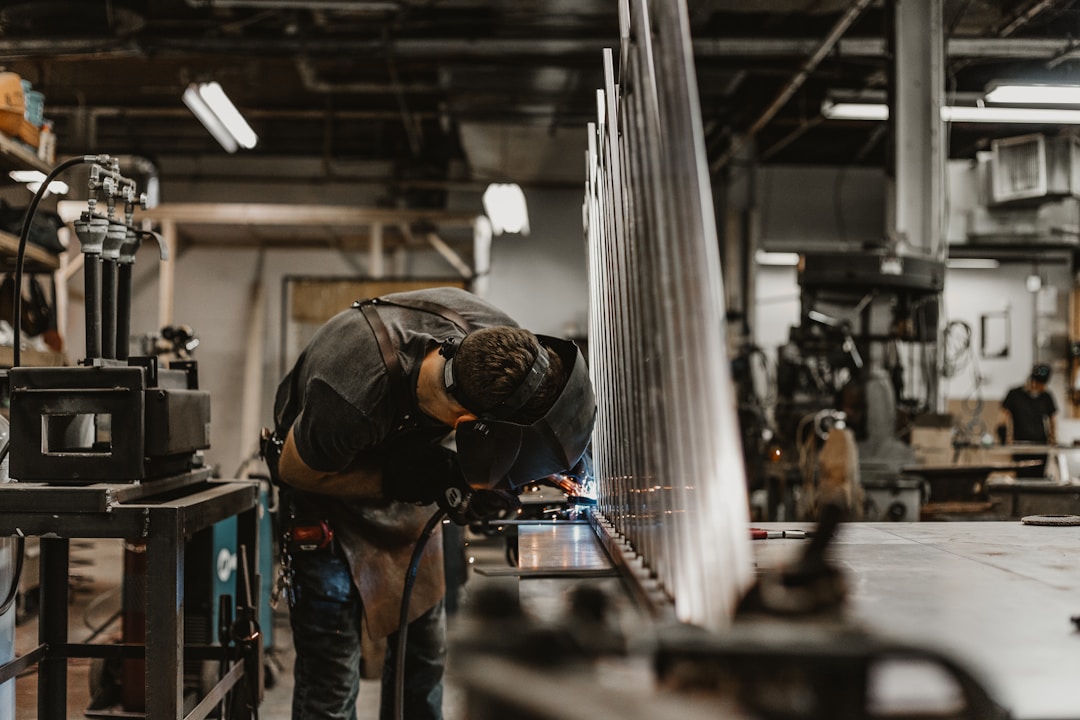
{"x":267,"y":214}
{"x":560,"y":51}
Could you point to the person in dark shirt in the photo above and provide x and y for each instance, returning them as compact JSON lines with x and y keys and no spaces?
{"x":398,"y":404}
{"x":1027,"y":416}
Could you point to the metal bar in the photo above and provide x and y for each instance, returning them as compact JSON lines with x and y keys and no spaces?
{"x":521,"y":523}
{"x":1021,"y":18}
{"x":129,"y":651}
{"x":792,"y":86}
{"x":77,"y":525}
{"x":249,"y":586}
{"x":449,"y":255}
{"x":94,"y":498}
{"x":217,"y":693}
{"x":24,"y":662}
{"x":165,"y":550}
{"x":647,"y":593}
{"x":53,"y":628}
{"x":553,"y":572}
{"x":666,"y":444}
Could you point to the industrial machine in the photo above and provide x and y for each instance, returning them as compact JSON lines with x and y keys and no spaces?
{"x":862,"y":314}
{"x":120,"y":437}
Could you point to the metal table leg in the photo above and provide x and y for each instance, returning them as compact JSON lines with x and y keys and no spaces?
{"x":164,"y":612}
{"x":53,"y":628}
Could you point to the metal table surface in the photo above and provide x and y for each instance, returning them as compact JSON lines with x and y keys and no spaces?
{"x":996,"y":596}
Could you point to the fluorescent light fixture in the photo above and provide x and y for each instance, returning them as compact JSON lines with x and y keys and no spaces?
{"x":1034,"y":94}
{"x":504,"y":204}
{"x":216,"y":112}
{"x":776,"y":259}
{"x":973,"y":264}
{"x":33,"y":180}
{"x":854,"y":111}
{"x":1031,"y":116}
{"x":958,"y":113}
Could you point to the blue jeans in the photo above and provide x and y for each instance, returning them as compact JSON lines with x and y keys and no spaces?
{"x":326,"y":634}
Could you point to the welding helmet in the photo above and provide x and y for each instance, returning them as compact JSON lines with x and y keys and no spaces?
{"x":495,"y":451}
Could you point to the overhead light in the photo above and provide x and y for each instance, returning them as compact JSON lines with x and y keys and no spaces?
{"x":33,"y":180}
{"x":1034,"y":94}
{"x":973,"y":264}
{"x":504,"y":204}
{"x":776,"y":259}
{"x":216,"y":112}
{"x":958,"y":113}
{"x":1027,"y":116}
{"x":854,"y":111}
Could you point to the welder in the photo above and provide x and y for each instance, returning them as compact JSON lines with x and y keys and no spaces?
{"x":396,"y":405}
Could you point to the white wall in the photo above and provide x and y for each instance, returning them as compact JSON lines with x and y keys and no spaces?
{"x":540,"y":280}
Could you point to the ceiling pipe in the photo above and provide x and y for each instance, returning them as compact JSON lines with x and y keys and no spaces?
{"x":1021,"y":18}
{"x":274,"y":113}
{"x":488,"y":48}
{"x":346,"y":5}
{"x":809,"y":65}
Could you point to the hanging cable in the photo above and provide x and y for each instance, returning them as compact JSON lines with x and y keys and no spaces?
{"x":403,"y":624}
{"x":24,"y":234}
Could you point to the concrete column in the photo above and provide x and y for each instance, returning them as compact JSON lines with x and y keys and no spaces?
{"x":919,"y":139}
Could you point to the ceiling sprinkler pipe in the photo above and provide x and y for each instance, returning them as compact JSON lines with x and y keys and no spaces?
{"x":347,"y":5}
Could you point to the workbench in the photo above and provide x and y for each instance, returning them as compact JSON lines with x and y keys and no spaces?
{"x":164,"y":513}
{"x":998,"y":597}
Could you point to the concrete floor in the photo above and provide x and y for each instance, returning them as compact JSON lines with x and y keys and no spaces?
{"x":96,"y":573}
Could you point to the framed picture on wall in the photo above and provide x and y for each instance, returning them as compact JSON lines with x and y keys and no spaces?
{"x":994,"y":334}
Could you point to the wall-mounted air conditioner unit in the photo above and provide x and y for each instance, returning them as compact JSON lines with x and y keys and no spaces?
{"x":1031,"y":168}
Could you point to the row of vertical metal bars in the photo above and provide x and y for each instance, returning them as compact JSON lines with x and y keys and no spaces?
{"x":667,"y":449}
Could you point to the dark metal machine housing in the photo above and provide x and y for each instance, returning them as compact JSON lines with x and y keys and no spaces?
{"x":111,"y":421}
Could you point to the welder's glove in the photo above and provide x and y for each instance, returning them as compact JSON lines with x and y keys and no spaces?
{"x":419,"y":475}
{"x":464,"y":504}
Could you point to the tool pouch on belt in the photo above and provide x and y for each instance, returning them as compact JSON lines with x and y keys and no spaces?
{"x":302,"y":530}
{"x":270,"y":446}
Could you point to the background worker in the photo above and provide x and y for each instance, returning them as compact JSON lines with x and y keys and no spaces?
{"x":363,"y":426}
{"x":1027,"y":415}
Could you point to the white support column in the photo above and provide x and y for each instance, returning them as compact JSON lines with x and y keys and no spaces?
{"x":920,"y":133}
{"x":167,"y":274}
{"x":377,"y":268}
{"x":481,"y":256}
{"x":920,"y":142}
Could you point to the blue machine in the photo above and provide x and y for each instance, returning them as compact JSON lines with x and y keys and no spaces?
{"x":8,"y":580}
{"x":212,"y":565}
{"x":7,"y":624}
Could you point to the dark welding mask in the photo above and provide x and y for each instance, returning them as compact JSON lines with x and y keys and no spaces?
{"x":494,"y":451}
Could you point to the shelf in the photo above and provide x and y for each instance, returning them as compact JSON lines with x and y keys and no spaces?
{"x":36,"y":260}
{"x":14,"y":156}
{"x":33,"y":358}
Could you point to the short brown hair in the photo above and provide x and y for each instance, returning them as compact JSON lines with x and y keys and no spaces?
{"x":491,"y":363}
